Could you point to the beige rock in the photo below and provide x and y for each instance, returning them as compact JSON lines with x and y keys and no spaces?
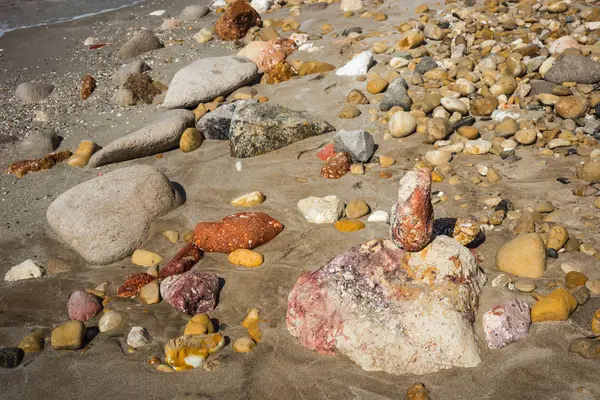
{"x":145,"y":258}
{"x":524,"y":256}
{"x":589,"y":171}
{"x":402,"y":124}
{"x":190,"y":140}
{"x":505,"y":86}
{"x":544,"y":207}
{"x":349,"y":112}
{"x":68,"y":336}
{"x":244,"y":345}
{"x":526,"y":136}
{"x":150,"y":293}
{"x":507,"y":128}
{"x":249,"y":199}
{"x":493,"y":175}
{"x":110,"y":321}
{"x":438,"y":157}
{"x":377,"y":85}
{"x":470,"y":132}
{"x":171,"y":235}
{"x":557,"y":237}
{"x":438,"y":129}
{"x":571,"y":107}
{"x":357,"y":208}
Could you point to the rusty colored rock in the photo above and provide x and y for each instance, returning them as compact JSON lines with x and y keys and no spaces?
{"x":336,"y":166}
{"x":245,"y":230}
{"x":133,"y":284}
{"x":412,"y":216}
{"x":281,"y":72}
{"x":236,"y":21}
{"x":183,"y":261}
{"x":23,"y":167}
{"x":88,"y":86}
{"x":142,"y":88}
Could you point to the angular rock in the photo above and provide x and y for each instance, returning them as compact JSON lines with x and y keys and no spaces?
{"x":142,"y":42}
{"x":28,"y":269}
{"x":506,"y":323}
{"x":134,"y":283}
{"x":11,"y":357}
{"x":336,"y":166}
{"x":359,"y":65}
{"x":574,"y":68}
{"x":208,"y":78}
{"x":83,"y":306}
{"x":215,"y":124}
{"x":524,"y":256}
{"x":192,"y":292}
{"x":359,"y":144}
{"x":258,"y":128}
{"x":245,"y":230}
{"x":138,"y":337}
{"x":412,"y":216}
{"x":321,"y":210}
{"x":351,"y":306}
{"x":557,"y":306}
{"x":426,"y":64}
{"x":396,"y":95}
{"x":191,"y":351}
{"x":106,"y":218}
{"x":161,"y":135}
{"x":234,"y":23}
{"x":32,"y":92}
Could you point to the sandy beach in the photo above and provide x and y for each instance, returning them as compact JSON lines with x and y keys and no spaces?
{"x":539,"y":366}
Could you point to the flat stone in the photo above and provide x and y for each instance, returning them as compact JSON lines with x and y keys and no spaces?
{"x":68,"y":336}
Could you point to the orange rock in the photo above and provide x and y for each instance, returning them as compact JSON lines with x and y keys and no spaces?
{"x":236,"y":21}
{"x":349,"y":225}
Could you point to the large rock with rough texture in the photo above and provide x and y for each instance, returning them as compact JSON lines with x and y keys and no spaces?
{"x":106,"y":218}
{"x":396,"y":95}
{"x":142,"y":42}
{"x":234,"y":23}
{"x":412,"y":217}
{"x":359,"y":144}
{"x":506,"y":323}
{"x":31,"y":92}
{"x":391,"y":310}
{"x":258,"y":128}
{"x":83,"y":306}
{"x":524,"y":256}
{"x":208,"y":78}
{"x":245,"y":230}
{"x":321,"y":210}
{"x":215,"y":124}
{"x":161,"y":135}
{"x":192,"y":292}
{"x":574,"y":68}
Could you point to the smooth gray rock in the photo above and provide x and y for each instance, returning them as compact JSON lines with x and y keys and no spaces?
{"x":32,"y":92}
{"x":574,"y":68}
{"x":359,"y":144}
{"x":161,"y":135}
{"x":396,"y":95}
{"x":258,"y":128}
{"x":38,"y":144}
{"x":142,"y":42}
{"x":208,"y":78}
{"x":106,"y":218}
{"x":193,"y":12}
{"x":426,"y":64}
{"x":134,"y":67}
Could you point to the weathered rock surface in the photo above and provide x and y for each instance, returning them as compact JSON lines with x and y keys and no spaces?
{"x":192,"y":292}
{"x":28,"y":269}
{"x":142,"y":42}
{"x":321,"y":210}
{"x":215,"y":125}
{"x":258,"y":128}
{"x":396,"y":95}
{"x":574,"y":68}
{"x":83,"y":306}
{"x":359,"y":144}
{"x":351,"y":306}
{"x":106,"y":218}
{"x":506,"y":323}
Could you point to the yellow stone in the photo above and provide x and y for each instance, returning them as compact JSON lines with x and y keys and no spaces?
{"x":245,"y":258}
{"x":188,"y":237}
{"x":164,"y":368}
{"x":199,"y":112}
{"x":191,"y":351}
{"x":386,"y":161}
{"x":575,"y":279}
{"x":262,"y":99}
{"x":454,"y":180}
{"x":83,"y":153}
{"x":437,"y":177}
{"x":190,"y":140}
{"x":422,"y":9}
{"x":326,"y":28}
{"x":251,"y":323}
{"x":200,"y":324}
{"x":348,"y":14}
{"x":377,"y":85}
{"x":597,"y":202}
{"x":596,"y":323}
{"x":348,"y":225}
{"x":248,"y":199}
{"x":33,"y":343}
{"x":171,"y":236}
{"x":145,"y":258}
{"x":557,"y":237}
{"x":557,"y":306}
{"x":357,"y":169}
{"x":244,"y":345}
{"x":314,"y":67}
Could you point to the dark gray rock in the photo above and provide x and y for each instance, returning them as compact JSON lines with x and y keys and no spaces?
{"x":193,"y":12}
{"x":31,"y":92}
{"x":215,"y":125}
{"x":396,"y":95}
{"x":359,"y":144}
{"x":426,"y":64}
{"x":574,"y":68}
{"x":10,"y":357}
{"x":259,"y":128}
{"x":142,"y":42}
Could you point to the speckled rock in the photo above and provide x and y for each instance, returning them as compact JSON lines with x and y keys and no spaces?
{"x":234,"y":23}
{"x":506,"y":323}
{"x":83,"y":306}
{"x":396,"y":95}
{"x":574,"y":68}
{"x":192,"y":292}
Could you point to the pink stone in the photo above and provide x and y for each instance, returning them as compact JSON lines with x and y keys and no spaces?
{"x":83,"y":306}
{"x":183,"y":261}
{"x":268,"y":54}
{"x":506,"y":323}
{"x":412,"y":216}
{"x":563,"y":43}
{"x":192,"y":292}
{"x":326,"y":152}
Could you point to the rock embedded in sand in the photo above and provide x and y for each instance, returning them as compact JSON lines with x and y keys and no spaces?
{"x":142,"y":42}
{"x":192,"y":292}
{"x":199,"y":324}
{"x":38,"y":144}
{"x":377,"y":85}
{"x":68,"y":336}
{"x":524,"y":256}
{"x":412,"y":216}
{"x":355,"y":97}
{"x":359,"y":65}
{"x":438,"y":157}
{"x":234,"y":23}
{"x":557,"y":306}
{"x":111,"y":321}
{"x":138,"y":337}
{"x":34,"y":342}
{"x":359,"y":144}
{"x":28,"y":269}
{"x":83,"y":306}
{"x":23,"y":167}
{"x":526,"y":136}
{"x":245,"y":258}
{"x":203,"y":80}
{"x":10,"y":357}
{"x":258,"y":128}
{"x":402,"y":124}
{"x":244,"y":345}
{"x":321,"y":210}
{"x":396,"y":95}
{"x":133,"y":284}
{"x":589,"y":171}
{"x":245,"y":230}
{"x":314,"y":67}
{"x":191,"y":351}
{"x":574,"y":68}
{"x":337,"y":309}
{"x":32,"y":92}
{"x":586,"y":348}
{"x":162,"y":134}
{"x":506,"y":323}
{"x":106,"y":218}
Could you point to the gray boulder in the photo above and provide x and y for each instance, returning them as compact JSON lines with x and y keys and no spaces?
{"x":258,"y":128}
{"x":193,"y":12}
{"x":38,"y":144}
{"x":215,"y":125}
{"x":31,"y":92}
{"x":396,"y":95}
{"x":106,"y":218}
{"x":134,"y":67}
{"x":574,"y":68}
{"x":161,"y":135}
{"x":208,"y":78}
{"x":142,"y":42}
{"x":359,"y":144}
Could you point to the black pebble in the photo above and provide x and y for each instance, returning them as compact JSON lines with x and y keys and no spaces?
{"x":505,"y":205}
{"x":597,"y":109}
{"x":552,"y":253}
{"x":10,"y":357}
{"x":571,"y":151}
{"x":564,"y":181}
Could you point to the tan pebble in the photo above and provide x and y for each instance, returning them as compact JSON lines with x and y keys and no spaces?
{"x":172,"y":236}
{"x":357,"y":169}
{"x":454,"y":180}
{"x":248,"y":199}
{"x":377,"y":85}
{"x":386,"y":161}
{"x":188,"y":236}
{"x":164,"y":368}
{"x":82,"y":155}
{"x":245,"y":258}
{"x":145,"y":258}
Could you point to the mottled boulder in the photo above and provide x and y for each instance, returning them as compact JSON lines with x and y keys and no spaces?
{"x":412,"y":217}
{"x":215,"y":124}
{"x":391,"y":310}
{"x":506,"y":323}
{"x":192,"y":292}
{"x":83,"y":306}
{"x":234,"y":23}
{"x":142,"y":42}
{"x":245,"y":230}
{"x":574,"y":68}
{"x":263,"y":127}
{"x":396,"y":95}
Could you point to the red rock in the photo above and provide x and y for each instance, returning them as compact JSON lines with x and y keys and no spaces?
{"x":83,"y":306}
{"x":412,"y":216}
{"x":236,"y":21}
{"x":133,"y":284}
{"x":336,"y":166}
{"x":192,"y":292}
{"x":245,"y":230}
{"x":326,"y":152}
{"x":183,"y":261}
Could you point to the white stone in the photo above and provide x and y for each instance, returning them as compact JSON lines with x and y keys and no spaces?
{"x":351,"y":5}
{"x":506,"y":323}
{"x":28,"y":269}
{"x":399,"y":62}
{"x":379,"y":216}
{"x":546,"y":65}
{"x":454,"y":105}
{"x":593,"y":286}
{"x":501,"y":280}
{"x":110,"y":321}
{"x":261,"y":5}
{"x":438,"y":157}
{"x":138,"y":337}
{"x":238,"y":166}
{"x":299,"y":38}
{"x":157,"y":13}
{"x":478,"y":146}
{"x":321,"y":210}
{"x":402,"y":124}
{"x":482,"y":169}
{"x":91,"y":40}
{"x":359,"y":65}
{"x":499,"y":115}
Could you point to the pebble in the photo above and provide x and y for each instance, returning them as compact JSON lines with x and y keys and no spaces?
{"x":321,"y":210}
{"x":110,"y":321}
{"x":593,"y":285}
{"x":544,"y":207}
{"x":245,"y":258}
{"x":507,"y":128}
{"x":386,"y":161}
{"x":377,"y":85}
{"x":191,"y":139}
{"x":82,"y":155}
{"x":145,"y":258}
{"x":34,"y":342}
{"x":557,"y":306}
{"x":357,"y":169}
{"x":10,"y":357}
{"x":557,"y":237}
{"x":150,"y":292}
{"x":438,"y":157}
{"x":581,"y":294}
{"x":524,"y":256}
{"x":402,"y":124}
{"x":575,"y":279}
{"x":68,"y":336}
{"x":244,"y":345}
{"x":171,"y":235}
{"x":571,"y":107}
{"x":454,"y":105}
{"x":199,"y":324}
{"x":83,"y":306}
{"x":379,"y":216}
{"x":28,"y":269}
{"x":359,"y":65}
{"x":526,"y":136}
{"x":349,"y":112}
{"x":357,"y":208}
{"x":138,"y":337}
{"x":348,"y":225}
{"x":479,"y":146}
{"x":470,"y":132}
{"x":525,"y":285}
{"x":248,"y":200}
{"x":493,"y":176}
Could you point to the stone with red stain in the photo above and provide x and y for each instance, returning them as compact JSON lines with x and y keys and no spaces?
{"x":506,"y":323}
{"x":192,"y":292}
{"x":326,"y":152}
{"x":391,"y":310}
{"x":83,"y":306}
{"x":133,"y":284}
{"x":412,"y":216}
{"x":336,"y":166}
{"x":245,"y":230}
{"x":237,"y":21}
{"x":183,"y":261}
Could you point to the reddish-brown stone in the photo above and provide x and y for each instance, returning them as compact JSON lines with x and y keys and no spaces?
{"x":245,"y":230}
{"x":412,"y":216}
{"x":336,"y":166}
{"x":183,"y":261}
{"x":236,"y":21}
{"x":133,"y":284}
